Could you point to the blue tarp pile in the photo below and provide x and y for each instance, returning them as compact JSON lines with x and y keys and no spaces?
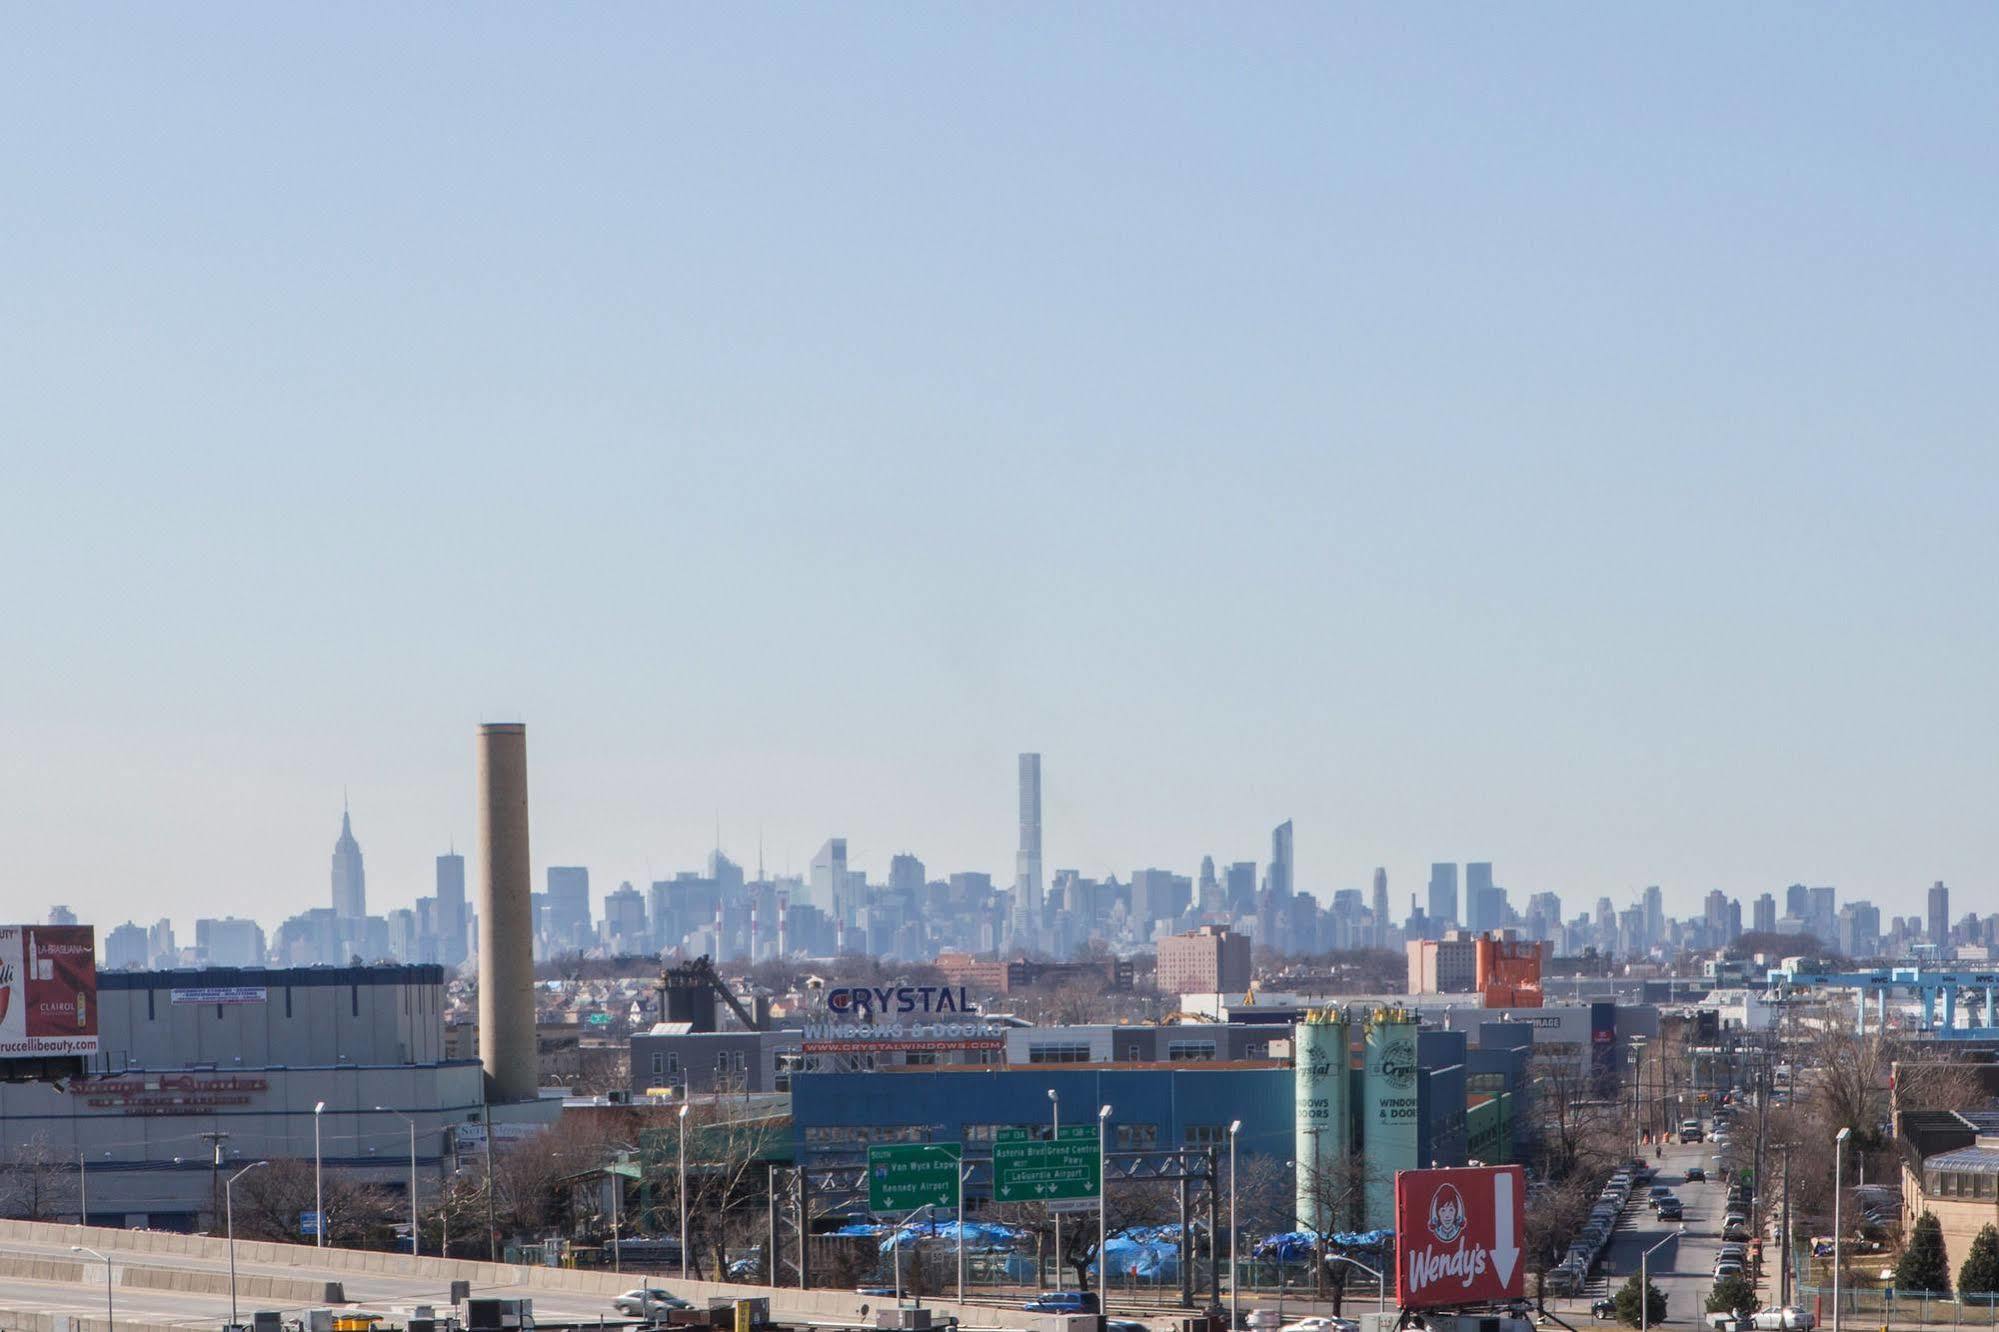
{"x":979,"y":1235}
{"x":1295,"y":1244}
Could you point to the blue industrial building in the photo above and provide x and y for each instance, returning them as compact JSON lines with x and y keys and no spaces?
{"x":1152,"y":1106}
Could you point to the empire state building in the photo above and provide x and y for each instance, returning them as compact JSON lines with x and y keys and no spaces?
{"x":350,"y":881}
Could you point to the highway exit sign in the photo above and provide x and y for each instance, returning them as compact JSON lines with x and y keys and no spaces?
{"x":905,"y":1176}
{"x":1030,"y":1168}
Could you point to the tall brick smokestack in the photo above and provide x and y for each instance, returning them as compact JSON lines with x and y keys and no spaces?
{"x":506,"y":923}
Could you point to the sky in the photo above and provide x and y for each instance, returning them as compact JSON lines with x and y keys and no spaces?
{"x":1556,"y":437}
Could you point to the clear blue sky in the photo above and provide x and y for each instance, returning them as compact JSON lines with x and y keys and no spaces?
{"x":1564,"y":438}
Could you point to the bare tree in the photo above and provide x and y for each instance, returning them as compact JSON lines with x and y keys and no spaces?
{"x":271,"y":1204}
{"x":1336,"y":1194}
{"x":40,"y":1182}
{"x":1129,"y":1205}
{"x":1573,"y":1130}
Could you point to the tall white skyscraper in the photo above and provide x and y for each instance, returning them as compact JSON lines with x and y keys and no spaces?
{"x":1027,"y":864}
{"x":451,"y":918}
{"x":1280,"y":879}
{"x":1380,"y":907}
{"x":350,"y":880}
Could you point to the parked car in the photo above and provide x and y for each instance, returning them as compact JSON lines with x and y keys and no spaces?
{"x":1783,"y":1318}
{"x":1063,"y":1301}
{"x":1124,"y":1325}
{"x":1739,"y":1252}
{"x":1603,"y":1308}
{"x":1322,"y":1325}
{"x":648,"y":1302}
{"x":1726,"y":1267}
{"x":1696,"y":1175}
{"x":1658,"y":1191}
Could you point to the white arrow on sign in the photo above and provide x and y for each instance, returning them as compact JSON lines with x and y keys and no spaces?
{"x":1504,"y":1255}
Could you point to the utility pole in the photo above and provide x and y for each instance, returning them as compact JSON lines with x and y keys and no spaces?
{"x":215,"y":1139}
{"x":1784,"y":1238}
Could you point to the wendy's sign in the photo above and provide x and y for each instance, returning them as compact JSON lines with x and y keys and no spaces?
{"x":1457,"y":1236}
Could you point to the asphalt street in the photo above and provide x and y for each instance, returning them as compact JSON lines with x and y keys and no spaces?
{"x":1683,"y":1267}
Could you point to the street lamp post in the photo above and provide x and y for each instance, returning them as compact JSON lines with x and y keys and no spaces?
{"x":110,"y":1316}
{"x":1103,"y":1210}
{"x":318,"y":1196}
{"x":1055,"y":1135}
{"x":1380,"y":1280}
{"x":412,"y":1123}
{"x":1235,"y":1268}
{"x":229,"y":1213}
{"x":1645,"y":1281}
{"x":1838,"y":1159}
{"x":682,"y":1135}
{"x":82,"y":1191}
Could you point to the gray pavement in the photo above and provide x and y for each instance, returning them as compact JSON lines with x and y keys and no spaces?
{"x":1683,"y":1268}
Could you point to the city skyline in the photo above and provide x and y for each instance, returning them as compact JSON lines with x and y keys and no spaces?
{"x":572,"y":895}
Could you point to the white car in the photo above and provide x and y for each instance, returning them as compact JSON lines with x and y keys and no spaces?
{"x":1783,"y":1318}
{"x":1322,"y":1325}
{"x":648,"y":1302}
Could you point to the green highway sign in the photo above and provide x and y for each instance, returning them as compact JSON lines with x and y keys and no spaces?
{"x":903,"y":1176}
{"x":1030,"y":1168}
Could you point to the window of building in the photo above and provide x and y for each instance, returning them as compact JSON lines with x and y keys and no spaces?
{"x":1135,"y":1137}
{"x":787,"y":1063}
{"x":1059,"y":1052}
{"x":1207,"y":1135}
{"x":1183,"y":1051}
{"x":920,"y":1057}
{"x":1256,"y":1050}
{"x":1132,"y":1052}
{"x":658,"y":1063}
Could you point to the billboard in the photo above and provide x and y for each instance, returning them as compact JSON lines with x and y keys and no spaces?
{"x":1457,"y":1236}
{"x":48,"y":991}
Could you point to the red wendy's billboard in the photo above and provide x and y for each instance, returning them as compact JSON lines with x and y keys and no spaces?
{"x":48,"y":990}
{"x":1457,"y":1235}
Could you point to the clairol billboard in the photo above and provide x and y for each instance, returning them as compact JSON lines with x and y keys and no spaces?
{"x":48,"y":990}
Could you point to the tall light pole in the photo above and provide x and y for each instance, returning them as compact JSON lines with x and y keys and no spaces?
{"x":1055,"y":1136}
{"x":318,"y":1195}
{"x":682,"y":1135}
{"x":1645,"y":1282}
{"x":412,"y":1123}
{"x":1103,"y":1210}
{"x":82,"y":1191}
{"x":1380,"y":1280}
{"x":1235,"y":1267}
{"x":1838,"y":1159}
{"x":229,"y":1213}
{"x":110,"y":1316}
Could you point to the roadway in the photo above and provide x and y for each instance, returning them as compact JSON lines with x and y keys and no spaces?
{"x":1683,"y":1269}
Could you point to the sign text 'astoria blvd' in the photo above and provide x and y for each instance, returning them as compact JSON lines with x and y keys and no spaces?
{"x":1030,"y":1168}
{"x":1457,"y":1235}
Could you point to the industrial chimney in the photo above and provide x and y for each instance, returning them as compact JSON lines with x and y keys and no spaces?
{"x":506,"y":926}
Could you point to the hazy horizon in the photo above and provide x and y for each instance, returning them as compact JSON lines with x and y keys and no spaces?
{"x":1560,"y":443}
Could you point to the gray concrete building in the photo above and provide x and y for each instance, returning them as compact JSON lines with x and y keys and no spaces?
{"x":248,"y":1053}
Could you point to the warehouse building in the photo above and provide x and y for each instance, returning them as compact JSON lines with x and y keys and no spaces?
{"x":240,"y":1057}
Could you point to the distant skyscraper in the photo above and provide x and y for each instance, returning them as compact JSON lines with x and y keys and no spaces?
{"x":1763,"y":918}
{"x":61,"y":915}
{"x":1239,"y":887}
{"x":125,"y":948}
{"x":1939,"y":914}
{"x":1655,"y":916}
{"x":829,"y":875}
{"x":1798,"y":901}
{"x":1481,"y":904}
{"x":1281,"y":878}
{"x":451,"y":922}
{"x":1027,"y":864}
{"x":565,"y":918}
{"x":1380,"y":907}
{"x":1443,"y":910}
{"x":350,"y":881}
